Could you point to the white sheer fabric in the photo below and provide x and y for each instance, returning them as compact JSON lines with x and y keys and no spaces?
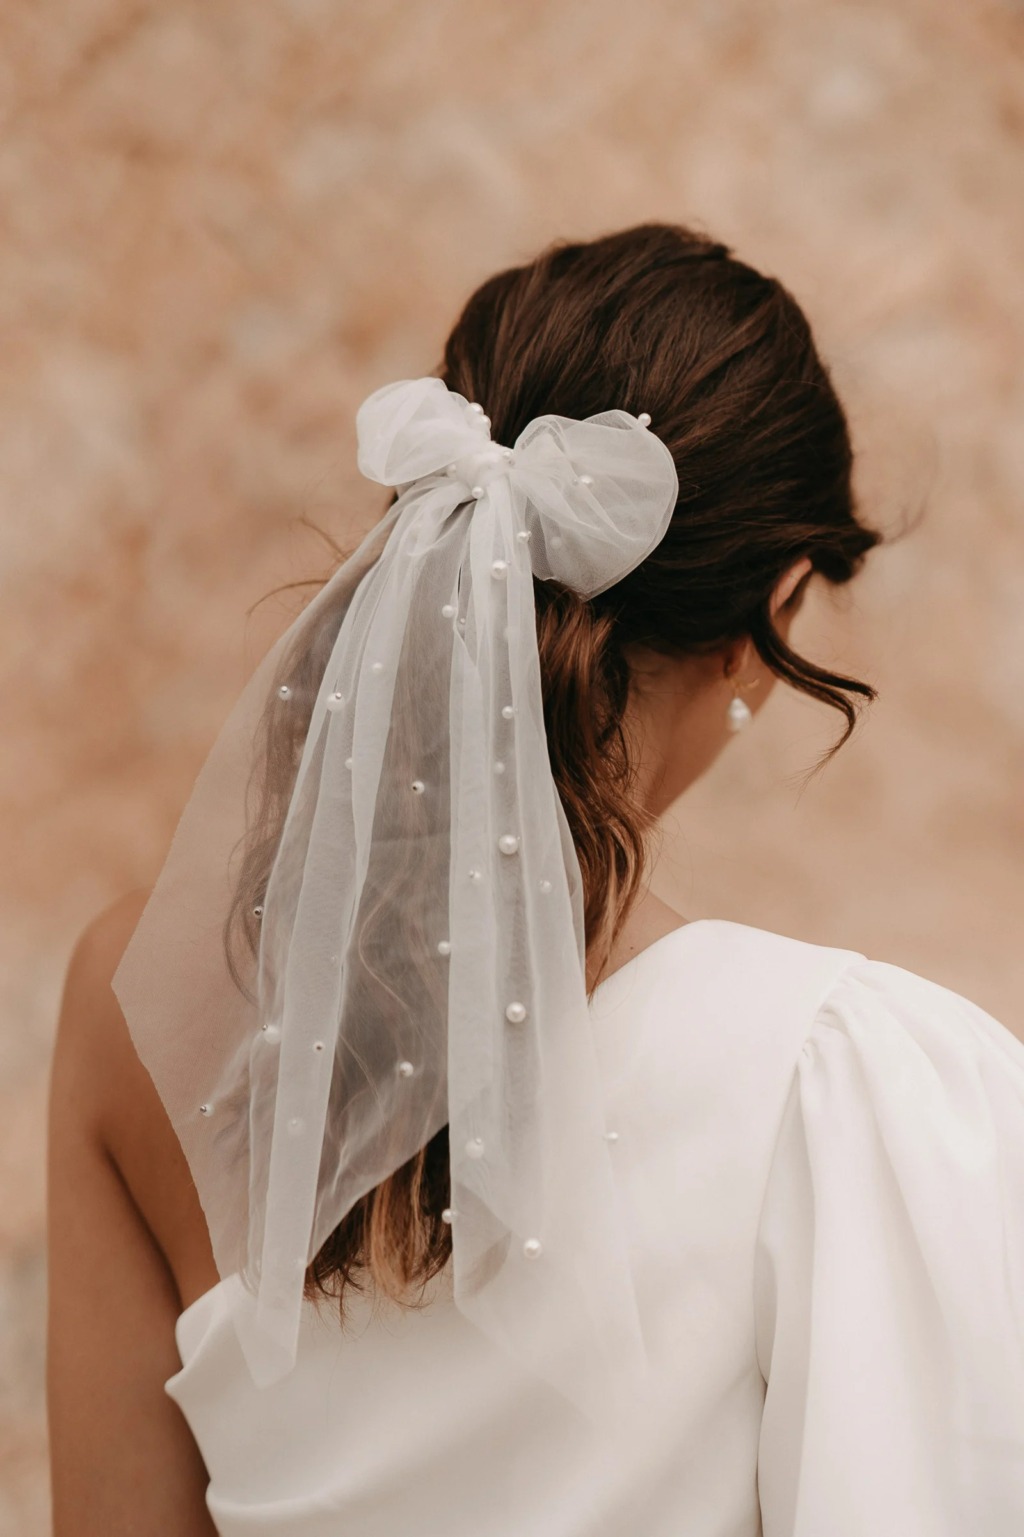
{"x":819,"y":1170}
{"x":420,"y":956}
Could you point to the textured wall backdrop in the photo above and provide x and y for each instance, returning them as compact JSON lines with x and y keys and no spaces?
{"x":224,"y":223}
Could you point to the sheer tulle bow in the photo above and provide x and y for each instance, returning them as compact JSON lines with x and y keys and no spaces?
{"x":420,"y":959}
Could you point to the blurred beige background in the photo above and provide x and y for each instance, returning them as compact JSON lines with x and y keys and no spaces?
{"x":224,"y":223}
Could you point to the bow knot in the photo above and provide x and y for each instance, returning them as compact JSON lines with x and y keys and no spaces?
{"x":479,"y":469}
{"x":595,"y":495}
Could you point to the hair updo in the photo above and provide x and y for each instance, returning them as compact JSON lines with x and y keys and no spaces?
{"x":663,"y":320}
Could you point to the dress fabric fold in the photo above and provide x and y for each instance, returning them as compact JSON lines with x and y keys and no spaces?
{"x":889,"y":1275}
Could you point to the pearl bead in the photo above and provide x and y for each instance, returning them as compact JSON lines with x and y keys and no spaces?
{"x":644,"y":419}
{"x":335,"y":700}
{"x":294,"y":1126}
{"x":452,"y":469}
{"x":515,"y":1013}
{"x":508,"y":710}
{"x":348,"y":763}
{"x":475,"y":875}
{"x":485,"y":421}
{"x":444,"y":947}
{"x":257,"y":911}
{"x":446,"y":1215}
{"x":586,"y":480}
{"x":477,"y":409}
{"x":545,"y":886}
{"x":508,"y":843}
{"x":476,"y":493}
{"x":499,"y":569}
{"x":461,"y":623}
{"x":740,"y":714}
{"x":418,"y":787}
{"x":272,"y":1033}
{"x":376,"y":666}
{"x":509,"y":454}
{"x":205,"y":1109}
{"x":499,"y":767}
{"x":475,"y":1147}
{"x":448,"y":610}
{"x":611,"y":1136}
{"x":318,"y":1045}
{"x":284,"y":691}
{"x":405,"y":1069}
{"x":523,"y":536}
{"x":533,"y":1248}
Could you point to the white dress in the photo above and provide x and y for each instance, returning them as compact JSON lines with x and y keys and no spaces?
{"x":821,"y":1161}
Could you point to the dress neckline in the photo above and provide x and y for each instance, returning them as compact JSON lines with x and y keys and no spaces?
{"x":206,"y":1298}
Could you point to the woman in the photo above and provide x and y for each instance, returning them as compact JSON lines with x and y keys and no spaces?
{"x":637,"y":1224}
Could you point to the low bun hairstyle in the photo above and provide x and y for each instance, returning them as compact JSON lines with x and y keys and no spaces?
{"x":655,"y":319}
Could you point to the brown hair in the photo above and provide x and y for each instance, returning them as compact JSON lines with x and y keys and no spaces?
{"x":663,"y":320}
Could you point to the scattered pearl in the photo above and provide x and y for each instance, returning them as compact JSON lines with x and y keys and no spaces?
{"x":448,"y":610}
{"x":508,"y":710}
{"x":545,"y":886}
{"x":499,"y":767}
{"x":499,"y":569}
{"x":475,"y":875}
{"x":475,"y":1147}
{"x":294,"y":1126}
{"x":533,"y":1248}
{"x":376,"y":666}
{"x":611,"y":1136}
{"x":284,"y":692}
{"x":336,"y":700}
{"x":271,"y":1033}
{"x":444,"y":947}
{"x":418,"y":787}
{"x":515,"y":1013}
{"x":644,"y":419}
{"x":523,"y":536}
{"x":508,"y":843}
{"x":348,"y":763}
{"x":257,"y":911}
{"x":452,"y":469}
{"x":509,"y":454}
{"x":205,"y":1109}
{"x":446,"y":1215}
{"x":476,"y":493}
{"x":586,"y":480}
{"x":405,"y":1069}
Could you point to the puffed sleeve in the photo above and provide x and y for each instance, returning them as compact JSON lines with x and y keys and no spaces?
{"x":889,"y":1285}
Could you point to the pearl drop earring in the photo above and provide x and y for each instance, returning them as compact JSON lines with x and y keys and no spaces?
{"x":739,"y":714}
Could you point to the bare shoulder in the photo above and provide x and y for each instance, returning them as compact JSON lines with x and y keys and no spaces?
{"x":92,"y":1033}
{"x":121,"y":1212}
{"x":96,"y":1063}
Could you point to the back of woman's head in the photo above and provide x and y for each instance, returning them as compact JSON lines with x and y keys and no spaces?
{"x":661,"y":320}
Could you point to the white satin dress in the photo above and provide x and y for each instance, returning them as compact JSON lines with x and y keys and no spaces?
{"x":821,"y":1160}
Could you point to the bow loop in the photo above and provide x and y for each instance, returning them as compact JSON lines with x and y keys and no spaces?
{"x":415,"y":428}
{"x":599,"y":495}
